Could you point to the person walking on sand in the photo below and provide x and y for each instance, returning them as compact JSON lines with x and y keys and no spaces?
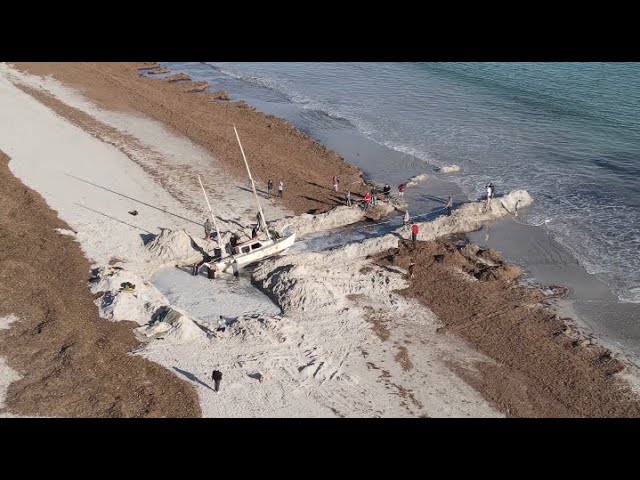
{"x":367,"y":200}
{"x":335,"y":181}
{"x":216,"y":376}
{"x":347,"y":197}
{"x":280,"y":188}
{"x":269,"y":188}
{"x":449,"y":205}
{"x":207,"y":229}
{"x":412,"y":265}
{"x":414,"y":233}
{"x":405,"y":220}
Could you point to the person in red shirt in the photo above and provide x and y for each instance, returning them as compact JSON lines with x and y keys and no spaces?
{"x":414,"y":233}
{"x":401,"y":189}
{"x":367,"y":200}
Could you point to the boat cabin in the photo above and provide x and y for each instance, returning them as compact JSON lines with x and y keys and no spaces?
{"x":247,"y":247}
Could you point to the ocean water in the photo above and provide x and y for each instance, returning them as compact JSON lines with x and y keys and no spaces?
{"x":569,"y":133}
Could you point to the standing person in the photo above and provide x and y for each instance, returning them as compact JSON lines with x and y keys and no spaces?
{"x":414,"y":233}
{"x":280,"y":188}
{"x":449,"y":205}
{"x":489,"y":193}
{"x":412,"y":265}
{"x":254,"y":233}
{"x":347,"y":197}
{"x":335,"y":181}
{"x":367,"y":200}
{"x":269,"y":188}
{"x":207,"y":229}
{"x":387,"y":191}
{"x":216,"y":376}
{"x":374,"y":196}
{"x":405,"y":220}
{"x":401,"y":188}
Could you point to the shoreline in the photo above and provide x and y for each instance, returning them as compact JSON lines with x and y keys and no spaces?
{"x":407,"y":375}
{"x":609,"y":318}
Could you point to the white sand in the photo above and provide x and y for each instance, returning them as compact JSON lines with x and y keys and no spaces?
{"x":320,"y":359}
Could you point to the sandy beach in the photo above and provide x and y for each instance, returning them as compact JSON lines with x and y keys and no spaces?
{"x":100,"y":165}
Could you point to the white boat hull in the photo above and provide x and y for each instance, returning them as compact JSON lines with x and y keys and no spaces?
{"x":239,"y":261}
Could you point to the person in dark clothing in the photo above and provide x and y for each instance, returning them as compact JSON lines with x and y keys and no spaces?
{"x":211,"y":271}
{"x":216,"y":376}
{"x":412,"y":265}
{"x":387,"y":191}
{"x":196,"y":266}
{"x":269,"y":188}
{"x":254,"y":232}
{"x":449,"y":205}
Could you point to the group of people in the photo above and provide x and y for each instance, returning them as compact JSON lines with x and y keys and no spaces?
{"x":270,"y":188}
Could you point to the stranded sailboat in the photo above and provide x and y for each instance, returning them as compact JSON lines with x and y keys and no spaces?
{"x":256,"y":249}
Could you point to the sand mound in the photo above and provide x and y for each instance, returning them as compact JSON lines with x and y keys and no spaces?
{"x":220,"y":95}
{"x":196,"y":86}
{"x":469,"y":217}
{"x":169,"y":324}
{"x":449,"y":169}
{"x":159,"y":71}
{"x":338,"y":217}
{"x":117,"y":304}
{"x":173,"y":246}
{"x":178,"y":77}
{"x":322,"y":281}
{"x":417,"y":179}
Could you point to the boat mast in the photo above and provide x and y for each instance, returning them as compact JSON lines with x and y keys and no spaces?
{"x":253,"y":186}
{"x":215,"y":224}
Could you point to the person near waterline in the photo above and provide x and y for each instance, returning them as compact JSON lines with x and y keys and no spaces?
{"x":414,"y":233}
{"x":216,"y":376}
{"x":401,"y":189}
{"x":280,"y":188}
{"x":367,"y":200}
{"x":490,"y":193}
{"x":405,"y":219}
{"x":347,"y":197}
{"x":449,"y":205}
{"x":207,"y":229}
{"x":269,"y":188}
{"x":412,"y":265}
{"x":387,"y":191}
